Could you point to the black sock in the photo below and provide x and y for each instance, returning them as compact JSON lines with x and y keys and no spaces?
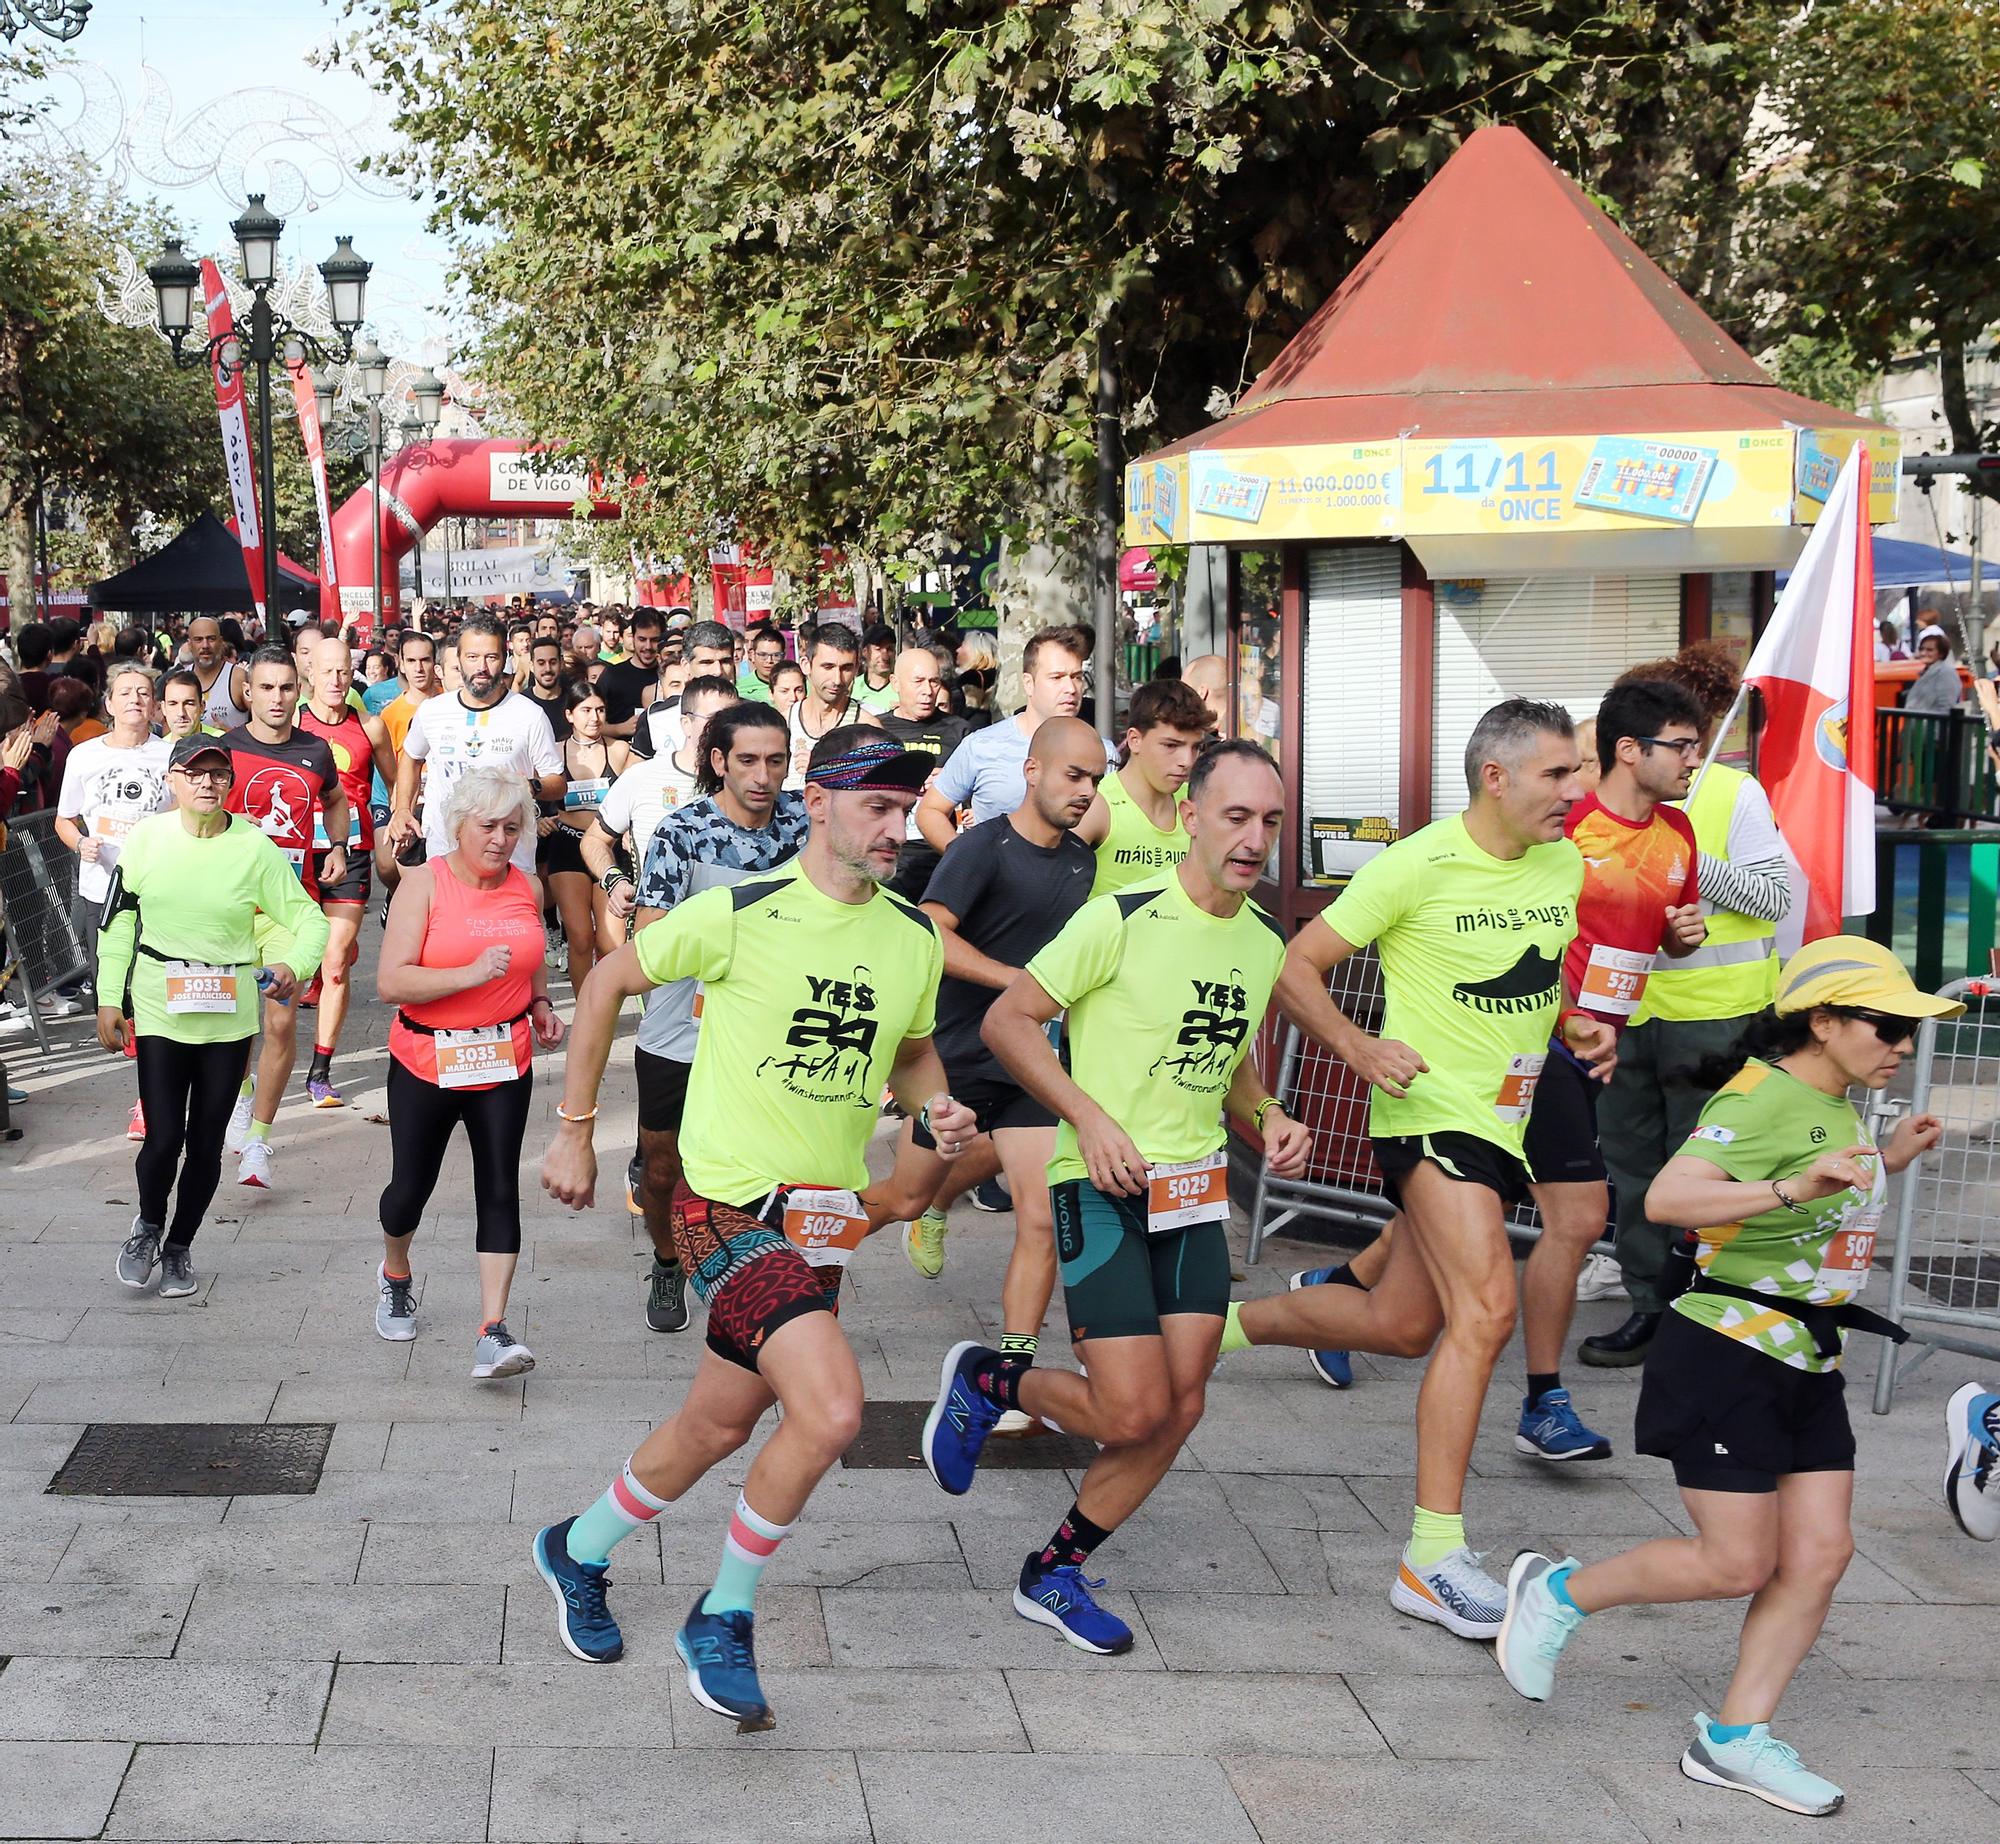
{"x":320,"y":1069}
{"x":1000,"y":1380}
{"x":1540,"y":1382}
{"x":1076,"y":1536}
{"x":1344,"y":1276}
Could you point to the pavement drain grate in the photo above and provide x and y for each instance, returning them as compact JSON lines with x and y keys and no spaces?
{"x":1965,"y":1280}
{"x":214,"y":1459}
{"x":892,"y":1436}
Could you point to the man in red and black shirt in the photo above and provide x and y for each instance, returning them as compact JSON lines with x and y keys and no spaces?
{"x":284,"y":777}
{"x":1638,"y":901}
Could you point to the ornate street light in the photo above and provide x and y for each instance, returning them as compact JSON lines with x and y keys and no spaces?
{"x":57,"y":19}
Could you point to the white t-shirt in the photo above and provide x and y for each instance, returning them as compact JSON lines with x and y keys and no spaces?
{"x":108,"y":791}
{"x":642,"y":797}
{"x":452,"y":736}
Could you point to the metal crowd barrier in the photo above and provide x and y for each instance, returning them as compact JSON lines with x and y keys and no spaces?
{"x":37,"y":886}
{"x":1341,"y":1185}
{"x":1944,"y":1274}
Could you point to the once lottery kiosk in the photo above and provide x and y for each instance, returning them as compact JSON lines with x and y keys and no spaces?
{"x":1508,"y":458}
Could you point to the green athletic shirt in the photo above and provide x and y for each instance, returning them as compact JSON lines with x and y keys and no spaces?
{"x":806,"y":1003}
{"x":1472,"y":951}
{"x":1164,"y":1000}
{"x":1764,"y":1123}
{"x":1133,"y":848}
{"x":227,"y":901}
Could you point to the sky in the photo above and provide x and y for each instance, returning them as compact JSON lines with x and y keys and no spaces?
{"x":200,"y":103}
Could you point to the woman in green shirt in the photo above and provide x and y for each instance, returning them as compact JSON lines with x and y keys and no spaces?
{"x":203,"y":909}
{"x":1743,"y":1392}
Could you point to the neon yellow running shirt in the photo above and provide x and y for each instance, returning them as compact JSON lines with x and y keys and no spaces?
{"x":1164,"y":1002}
{"x":1472,"y":950}
{"x":806,"y":1004}
{"x":1134,"y":849}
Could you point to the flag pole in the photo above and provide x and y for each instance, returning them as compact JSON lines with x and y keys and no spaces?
{"x":1715,"y":748}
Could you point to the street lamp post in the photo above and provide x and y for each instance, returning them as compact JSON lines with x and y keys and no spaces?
{"x":61,"y":20}
{"x":374,"y":364}
{"x":176,"y":280}
{"x":427,"y":390}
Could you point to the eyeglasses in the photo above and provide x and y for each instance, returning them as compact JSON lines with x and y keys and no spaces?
{"x":1688,"y":746}
{"x":216,"y":777}
{"x":1886,"y":1025}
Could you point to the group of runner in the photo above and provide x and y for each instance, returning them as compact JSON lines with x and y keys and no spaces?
{"x":1072,"y":996}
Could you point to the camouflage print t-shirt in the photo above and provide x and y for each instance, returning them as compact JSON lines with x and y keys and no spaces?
{"x":1762,"y":1124}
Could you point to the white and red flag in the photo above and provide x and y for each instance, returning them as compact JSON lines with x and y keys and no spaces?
{"x":310,"y":433}
{"x":1815,"y":665}
{"x":239,"y":458}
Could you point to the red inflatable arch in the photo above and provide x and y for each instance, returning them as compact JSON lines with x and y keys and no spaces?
{"x":429,"y":481}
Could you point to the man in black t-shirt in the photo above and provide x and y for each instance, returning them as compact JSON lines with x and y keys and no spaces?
{"x":627,"y":687}
{"x":1002,"y":893}
{"x":545,"y":684}
{"x":920,"y":721}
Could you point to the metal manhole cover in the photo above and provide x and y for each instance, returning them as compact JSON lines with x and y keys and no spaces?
{"x":892,"y":1436}
{"x":1967,"y":1282}
{"x":216,"y":1459}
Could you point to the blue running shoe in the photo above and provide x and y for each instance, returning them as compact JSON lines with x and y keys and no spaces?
{"x":583,"y":1621}
{"x":1550,"y":1430}
{"x":1060,"y":1598}
{"x":961,"y":1418}
{"x":721,"y":1658}
{"x":1972,"y":1461}
{"x":1333,"y":1368}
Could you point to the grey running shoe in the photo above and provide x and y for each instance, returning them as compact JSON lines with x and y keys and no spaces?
{"x":666,"y":1297}
{"x":176,"y":1273}
{"x":141,"y":1254}
{"x":395,"y":1306}
{"x":500,"y":1354}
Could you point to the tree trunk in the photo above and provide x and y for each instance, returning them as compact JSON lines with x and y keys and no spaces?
{"x":1959,"y":418}
{"x":1104,"y":550}
{"x":17,"y":558}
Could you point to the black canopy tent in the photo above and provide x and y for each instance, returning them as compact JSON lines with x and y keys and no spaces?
{"x":200,"y":572}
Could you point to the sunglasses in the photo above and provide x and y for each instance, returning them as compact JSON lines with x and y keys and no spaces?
{"x":1886,"y":1025}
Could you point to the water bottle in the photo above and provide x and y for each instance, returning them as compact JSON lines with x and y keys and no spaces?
{"x":266,"y":979}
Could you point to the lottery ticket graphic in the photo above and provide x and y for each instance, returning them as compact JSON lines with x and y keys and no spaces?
{"x":1647,"y":480}
{"x":1222,"y":493}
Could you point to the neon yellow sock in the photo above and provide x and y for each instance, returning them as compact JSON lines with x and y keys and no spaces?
{"x":260,"y":1130}
{"x":1232,"y":1329}
{"x":249,"y":1087}
{"x":1434,"y":1535}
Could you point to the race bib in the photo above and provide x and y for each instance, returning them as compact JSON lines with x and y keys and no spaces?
{"x":473,"y":1058}
{"x":112,"y":827}
{"x":322,"y":842}
{"x":195,"y":986}
{"x":1614,"y":981}
{"x":1846,"y":1262}
{"x":1517,"y":1086}
{"x":295,"y":856}
{"x":1194,"y":1192}
{"x":585,"y":793}
{"x":826,"y":1227}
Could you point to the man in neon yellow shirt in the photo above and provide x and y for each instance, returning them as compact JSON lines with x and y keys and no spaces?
{"x":1165,"y":984}
{"x":819,"y":989}
{"x":1135,"y":824}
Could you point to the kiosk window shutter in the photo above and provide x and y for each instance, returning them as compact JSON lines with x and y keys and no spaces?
{"x":1353,"y":654}
{"x":1558,"y":638}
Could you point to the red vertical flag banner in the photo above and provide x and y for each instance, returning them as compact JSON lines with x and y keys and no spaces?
{"x":1815,"y":665}
{"x":239,"y":457}
{"x":314,"y":439}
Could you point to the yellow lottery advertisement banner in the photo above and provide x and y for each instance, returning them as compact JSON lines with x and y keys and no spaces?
{"x":1737,"y":480}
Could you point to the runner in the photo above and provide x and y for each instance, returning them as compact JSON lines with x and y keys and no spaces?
{"x":590,"y":763}
{"x":709,"y":653}
{"x":767,"y":654}
{"x":788,"y":689}
{"x":416,"y":658}
{"x":198,"y":899}
{"x":285,"y":779}
{"x":875,"y":687}
{"x":1001,"y":895}
{"x":917,"y":719}
{"x":628,"y":687}
{"x":361,"y":753}
{"x":109,"y":784}
{"x":985,"y":773}
{"x":1135,"y":824}
{"x":1471,"y":917}
{"x":1743,"y":1391}
{"x":225,"y":682}
{"x":546,"y":688}
{"x":485,"y":724}
{"x":463,"y":960}
{"x":181,"y":704}
{"x":829,"y":703}
{"x":819,"y":989}
{"x":739,"y":826}
{"x":1165,"y":984}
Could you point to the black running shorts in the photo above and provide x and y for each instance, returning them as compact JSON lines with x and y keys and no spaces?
{"x":1464,"y":1157}
{"x":1561,"y":1140}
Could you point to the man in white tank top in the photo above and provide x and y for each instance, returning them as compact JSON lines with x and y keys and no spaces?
{"x":829,"y":701}
{"x":224,"y":686}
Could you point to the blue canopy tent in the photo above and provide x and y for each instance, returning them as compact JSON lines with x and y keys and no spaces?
{"x":1900,"y":564}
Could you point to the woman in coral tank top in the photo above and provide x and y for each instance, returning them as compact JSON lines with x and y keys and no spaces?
{"x":464,"y":962}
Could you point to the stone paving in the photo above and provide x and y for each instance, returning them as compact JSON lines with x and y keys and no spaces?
{"x":378,"y":1660}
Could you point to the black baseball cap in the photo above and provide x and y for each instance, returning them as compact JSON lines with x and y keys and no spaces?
{"x":196,"y":744}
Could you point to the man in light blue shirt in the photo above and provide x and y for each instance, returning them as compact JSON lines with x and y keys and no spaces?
{"x":986,"y":772}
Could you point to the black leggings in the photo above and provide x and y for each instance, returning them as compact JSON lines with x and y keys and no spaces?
{"x":421,"y":1117}
{"x":188,"y":1091}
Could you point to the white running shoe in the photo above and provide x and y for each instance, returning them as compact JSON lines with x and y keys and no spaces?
{"x":1454,"y":1593}
{"x":1600,"y":1278}
{"x":254,"y":1167}
{"x":1016,"y":1424}
{"x":500,"y":1354}
{"x":238,"y":1130}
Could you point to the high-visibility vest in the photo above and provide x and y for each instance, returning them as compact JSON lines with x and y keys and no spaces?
{"x":1735,"y":971}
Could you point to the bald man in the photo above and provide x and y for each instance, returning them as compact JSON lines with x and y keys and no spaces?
{"x":918,"y":720}
{"x":1003,"y":892}
{"x":1208,"y":673}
